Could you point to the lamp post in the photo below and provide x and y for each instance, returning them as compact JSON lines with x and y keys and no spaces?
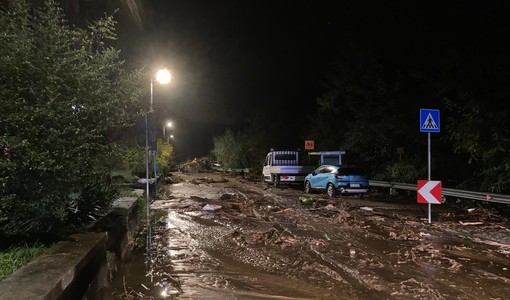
{"x":168,"y":124}
{"x":162,"y":77}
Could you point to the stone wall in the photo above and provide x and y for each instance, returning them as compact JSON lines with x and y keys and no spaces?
{"x":79,"y":267}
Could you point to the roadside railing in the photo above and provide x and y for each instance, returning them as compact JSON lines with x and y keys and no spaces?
{"x":490,"y":197}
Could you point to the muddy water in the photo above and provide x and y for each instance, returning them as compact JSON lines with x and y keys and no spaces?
{"x":259,"y":242}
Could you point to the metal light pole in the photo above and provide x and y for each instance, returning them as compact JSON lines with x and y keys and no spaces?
{"x":147,"y":193}
{"x":147,"y":168}
{"x":163,"y":77}
{"x":148,"y":199}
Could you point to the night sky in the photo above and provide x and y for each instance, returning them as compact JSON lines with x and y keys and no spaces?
{"x":230,"y":59}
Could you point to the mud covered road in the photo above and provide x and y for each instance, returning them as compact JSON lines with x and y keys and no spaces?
{"x":219,"y":237}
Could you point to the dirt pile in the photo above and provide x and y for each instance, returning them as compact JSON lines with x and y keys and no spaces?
{"x":196,"y":165}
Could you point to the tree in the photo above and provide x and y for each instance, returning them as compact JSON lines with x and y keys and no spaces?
{"x":164,"y":157}
{"x":362,"y":110}
{"x":63,"y":92}
{"x":231,"y":151}
{"x":481,"y":131}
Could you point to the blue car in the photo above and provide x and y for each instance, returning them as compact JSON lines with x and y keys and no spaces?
{"x":343,"y":180}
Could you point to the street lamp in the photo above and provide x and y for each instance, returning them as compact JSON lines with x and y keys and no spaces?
{"x":163,"y":77}
{"x":168,"y":124}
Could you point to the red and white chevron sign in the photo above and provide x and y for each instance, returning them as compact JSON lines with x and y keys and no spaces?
{"x":429,"y":191}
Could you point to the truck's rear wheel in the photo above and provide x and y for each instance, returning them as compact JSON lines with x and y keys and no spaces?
{"x":276,"y":180}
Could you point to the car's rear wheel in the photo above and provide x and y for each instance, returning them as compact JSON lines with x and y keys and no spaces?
{"x":308,"y":187}
{"x":330,"y":190}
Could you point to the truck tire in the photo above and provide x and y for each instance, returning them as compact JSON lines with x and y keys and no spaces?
{"x":276,"y":180}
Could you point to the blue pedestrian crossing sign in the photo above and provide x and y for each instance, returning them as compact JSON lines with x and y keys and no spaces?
{"x":429,"y":120}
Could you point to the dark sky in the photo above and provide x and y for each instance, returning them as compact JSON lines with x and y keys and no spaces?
{"x":232,"y":58}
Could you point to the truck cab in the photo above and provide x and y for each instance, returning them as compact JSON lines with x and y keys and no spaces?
{"x":283,"y":167}
{"x":329,"y":157}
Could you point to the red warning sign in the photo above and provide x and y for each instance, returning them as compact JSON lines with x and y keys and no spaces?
{"x":309,"y":145}
{"x":429,"y":191}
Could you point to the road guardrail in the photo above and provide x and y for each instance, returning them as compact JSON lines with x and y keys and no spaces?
{"x":489,"y":197}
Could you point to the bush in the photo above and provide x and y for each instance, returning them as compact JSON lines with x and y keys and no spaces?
{"x":62,"y":93}
{"x":232,"y":152}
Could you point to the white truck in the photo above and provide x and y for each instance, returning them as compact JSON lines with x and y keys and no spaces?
{"x":284,"y":167}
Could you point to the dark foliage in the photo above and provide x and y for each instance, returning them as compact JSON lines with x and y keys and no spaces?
{"x":62,"y":93}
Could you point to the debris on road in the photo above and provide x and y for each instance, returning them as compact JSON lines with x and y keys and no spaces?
{"x":352,"y":253}
{"x":211,"y":207}
{"x":366,"y":208}
{"x":261,"y":237}
{"x":229,"y":196}
{"x":209,"y":180}
{"x":306,"y":200}
{"x":405,"y":235}
{"x":196,"y":165}
{"x":492,"y":243}
{"x":330,"y":207}
{"x":470,"y":223}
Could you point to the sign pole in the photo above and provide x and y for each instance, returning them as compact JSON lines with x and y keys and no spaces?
{"x":429,"y":155}
{"x":429,"y":122}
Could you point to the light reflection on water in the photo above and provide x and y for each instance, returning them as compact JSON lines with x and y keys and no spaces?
{"x":171,"y":216}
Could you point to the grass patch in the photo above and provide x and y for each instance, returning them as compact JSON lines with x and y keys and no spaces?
{"x":14,"y":258}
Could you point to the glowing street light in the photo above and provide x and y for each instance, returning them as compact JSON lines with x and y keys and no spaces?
{"x":168,"y":124}
{"x":162,"y":77}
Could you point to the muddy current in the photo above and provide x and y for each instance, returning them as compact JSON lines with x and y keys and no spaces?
{"x":229,"y":237}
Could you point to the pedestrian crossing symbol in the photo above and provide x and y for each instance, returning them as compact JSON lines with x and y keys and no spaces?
{"x":429,"y":120}
{"x":429,"y":123}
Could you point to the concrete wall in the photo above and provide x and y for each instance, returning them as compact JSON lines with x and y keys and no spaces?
{"x":81,"y":266}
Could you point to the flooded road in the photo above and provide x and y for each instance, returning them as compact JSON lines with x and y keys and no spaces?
{"x":218,"y":237}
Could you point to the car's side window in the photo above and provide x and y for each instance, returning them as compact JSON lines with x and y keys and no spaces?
{"x":324,"y":170}
{"x":330,"y":170}
{"x":319,"y":170}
